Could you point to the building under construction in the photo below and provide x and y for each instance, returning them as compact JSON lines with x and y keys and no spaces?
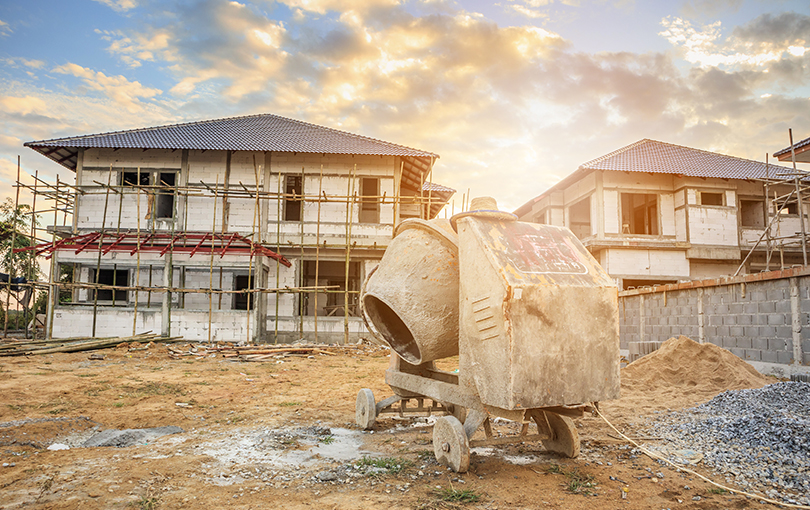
{"x":257,"y":228}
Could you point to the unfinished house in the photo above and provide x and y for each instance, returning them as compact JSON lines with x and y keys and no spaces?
{"x":657,"y":213}
{"x":256,"y":228}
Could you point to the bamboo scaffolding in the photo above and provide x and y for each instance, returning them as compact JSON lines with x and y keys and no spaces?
{"x":305,"y":242}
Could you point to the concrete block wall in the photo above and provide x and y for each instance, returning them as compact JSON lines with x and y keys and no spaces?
{"x":756,"y":317}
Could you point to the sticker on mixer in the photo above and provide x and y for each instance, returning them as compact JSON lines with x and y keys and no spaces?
{"x":543,"y":252}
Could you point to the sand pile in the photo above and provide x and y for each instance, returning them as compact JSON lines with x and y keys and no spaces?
{"x":682,"y":373}
{"x":682,"y":362}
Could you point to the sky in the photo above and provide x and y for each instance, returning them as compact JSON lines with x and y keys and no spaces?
{"x":513,"y":95}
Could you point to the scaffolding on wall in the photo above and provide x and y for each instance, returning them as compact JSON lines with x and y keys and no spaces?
{"x":60,"y":199}
{"x":772,"y":237}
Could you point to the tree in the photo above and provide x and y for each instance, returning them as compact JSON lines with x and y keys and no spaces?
{"x":23,"y":263}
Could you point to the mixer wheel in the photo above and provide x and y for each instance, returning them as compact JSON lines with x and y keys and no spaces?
{"x":564,"y":436}
{"x":450,"y":444}
{"x":365,"y":411}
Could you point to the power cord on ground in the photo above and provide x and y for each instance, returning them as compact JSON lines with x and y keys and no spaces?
{"x":686,"y":470}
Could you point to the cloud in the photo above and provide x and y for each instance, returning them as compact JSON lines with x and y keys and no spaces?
{"x":22,"y":105}
{"x":4,"y":28}
{"x":19,"y":61}
{"x":119,"y":5}
{"x":709,"y":8}
{"x":762,"y":42}
{"x":527,"y":11}
{"x":511,"y":109}
{"x":123,"y":92}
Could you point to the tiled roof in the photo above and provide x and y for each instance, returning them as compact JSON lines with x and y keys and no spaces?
{"x":264,"y":132}
{"x":432,"y":186}
{"x":796,"y":147}
{"x":656,"y":157}
{"x":665,"y":158}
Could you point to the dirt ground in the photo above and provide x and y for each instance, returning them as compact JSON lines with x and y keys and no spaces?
{"x":254,"y":436}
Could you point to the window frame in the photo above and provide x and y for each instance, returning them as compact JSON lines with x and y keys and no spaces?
{"x":115,"y":295}
{"x":293,"y":209}
{"x":369,"y":211}
{"x":162,"y":197}
{"x":630,"y":215}
{"x":702,"y":195}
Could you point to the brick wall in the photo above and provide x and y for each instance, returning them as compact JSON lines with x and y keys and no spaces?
{"x":757,"y":317}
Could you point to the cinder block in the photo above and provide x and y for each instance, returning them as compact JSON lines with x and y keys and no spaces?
{"x":777,"y":344}
{"x":760,"y":319}
{"x":767,"y":331}
{"x":784,"y":332}
{"x":715,"y":320}
{"x":723,"y":331}
{"x":805,"y":345}
{"x":738,"y":352}
{"x":751,"y":331}
{"x":759,"y":343}
{"x":784,"y":357}
{"x":745,"y":319}
{"x":727,"y":342}
{"x":806,"y":357}
{"x":751,"y":308}
{"x":752,"y":355}
{"x":777,"y":294}
{"x":743,"y":342}
{"x":757,"y":295}
{"x":767,"y":307}
{"x":737,"y":331}
{"x":769,"y":356}
{"x":783,"y":306}
{"x":776,"y":319}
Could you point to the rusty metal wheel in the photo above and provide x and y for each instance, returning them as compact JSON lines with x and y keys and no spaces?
{"x":564,"y":436}
{"x":450,"y":444}
{"x":365,"y":411}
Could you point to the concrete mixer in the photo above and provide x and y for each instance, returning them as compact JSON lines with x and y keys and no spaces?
{"x":530,"y":313}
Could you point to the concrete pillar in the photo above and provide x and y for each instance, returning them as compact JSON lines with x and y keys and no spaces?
{"x":166,"y":316}
{"x":796,"y":315}
{"x":641,"y":321}
{"x":701,"y":318}
{"x":54,"y":290}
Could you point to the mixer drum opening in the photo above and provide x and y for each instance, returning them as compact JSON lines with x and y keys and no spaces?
{"x":394,"y":329}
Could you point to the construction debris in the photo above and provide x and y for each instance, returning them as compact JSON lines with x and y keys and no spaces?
{"x":258,"y":352}
{"x":19,"y":348}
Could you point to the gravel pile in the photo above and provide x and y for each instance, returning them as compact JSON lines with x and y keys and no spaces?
{"x":757,"y":438}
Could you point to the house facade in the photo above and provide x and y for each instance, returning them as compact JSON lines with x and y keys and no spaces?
{"x":656,"y":213}
{"x":257,"y":228}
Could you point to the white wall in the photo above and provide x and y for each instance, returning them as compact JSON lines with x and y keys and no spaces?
{"x":629,"y":263}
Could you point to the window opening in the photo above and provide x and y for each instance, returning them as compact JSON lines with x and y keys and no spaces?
{"x":131,"y":178}
{"x":752,"y":213}
{"x":165,"y":197}
{"x":639,"y":214}
{"x":791,"y":208}
{"x":369,"y":203}
{"x":293,"y":204}
{"x":243,"y":301}
{"x":711,"y":198}
{"x":579,"y":218}
{"x":114,"y":277}
{"x":331,"y":303}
